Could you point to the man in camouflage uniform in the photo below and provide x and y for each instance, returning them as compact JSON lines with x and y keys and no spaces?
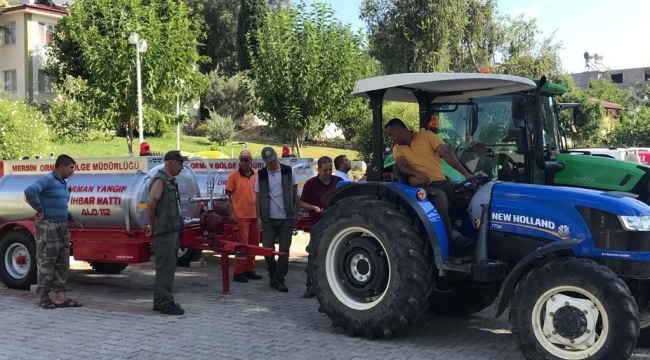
{"x":165,"y":225}
{"x":49,"y":197}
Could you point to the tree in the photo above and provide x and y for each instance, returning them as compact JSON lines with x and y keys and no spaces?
{"x":220,"y":128}
{"x":415,"y":36}
{"x":229,"y":97}
{"x":91,"y":43}
{"x":251,"y":18}
{"x":631,"y":129}
{"x":456,"y":35}
{"x":218,"y":21}
{"x":303,"y":69}
{"x":607,"y":90}
{"x":589,"y":121}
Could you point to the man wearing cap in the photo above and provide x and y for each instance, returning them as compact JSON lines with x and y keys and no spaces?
{"x":165,"y":225}
{"x":241,"y":206}
{"x":278,"y":208}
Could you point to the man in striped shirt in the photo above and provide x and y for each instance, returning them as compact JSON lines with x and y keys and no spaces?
{"x":49,"y":197}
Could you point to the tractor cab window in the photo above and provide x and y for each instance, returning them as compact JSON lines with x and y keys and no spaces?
{"x":549,"y":118}
{"x":486,"y":142}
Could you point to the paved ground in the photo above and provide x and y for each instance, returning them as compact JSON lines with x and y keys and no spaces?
{"x":254,"y":322}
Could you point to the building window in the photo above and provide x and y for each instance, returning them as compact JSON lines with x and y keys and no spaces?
{"x":45,"y":32}
{"x":10,"y":81}
{"x":44,"y":82}
{"x":617,"y":78}
{"x":9,"y":37}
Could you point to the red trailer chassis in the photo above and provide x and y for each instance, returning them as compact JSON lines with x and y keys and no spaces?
{"x":122,"y":246}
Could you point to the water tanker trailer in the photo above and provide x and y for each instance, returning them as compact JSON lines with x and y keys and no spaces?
{"x":109,"y":196}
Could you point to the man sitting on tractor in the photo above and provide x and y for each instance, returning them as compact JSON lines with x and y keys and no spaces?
{"x":417,"y":155}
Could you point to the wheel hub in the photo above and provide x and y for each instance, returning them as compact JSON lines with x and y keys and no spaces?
{"x":570,"y":321}
{"x":365,"y":270}
{"x":21,"y":260}
{"x":360,"y":267}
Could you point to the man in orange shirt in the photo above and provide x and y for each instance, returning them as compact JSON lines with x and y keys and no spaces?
{"x":241,"y":206}
{"x":417,"y":155}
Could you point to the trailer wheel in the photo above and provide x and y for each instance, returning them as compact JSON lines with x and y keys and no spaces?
{"x":464,"y":300}
{"x":186,"y":256}
{"x":18,"y":254}
{"x":108,"y":268}
{"x":371,"y":266}
{"x":574,"y":309}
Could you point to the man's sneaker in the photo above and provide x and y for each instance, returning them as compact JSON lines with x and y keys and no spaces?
{"x":309,"y":293}
{"x":252,"y":275}
{"x":171,"y":309}
{"x":240,"y":278}
{"x":280,"y":286}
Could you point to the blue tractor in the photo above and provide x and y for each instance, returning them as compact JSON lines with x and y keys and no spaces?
{"x":569,"y":264}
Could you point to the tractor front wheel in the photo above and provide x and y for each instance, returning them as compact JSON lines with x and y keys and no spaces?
{"x":370,"y":265}
{"x":574,"y":309}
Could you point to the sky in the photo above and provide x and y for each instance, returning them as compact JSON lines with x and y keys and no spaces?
{"x":611,"y":28}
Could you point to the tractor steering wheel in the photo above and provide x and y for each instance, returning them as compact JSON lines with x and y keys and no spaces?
{"x":482,"y":180}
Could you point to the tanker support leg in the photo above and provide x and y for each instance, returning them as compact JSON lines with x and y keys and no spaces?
{"x":225,"y":248}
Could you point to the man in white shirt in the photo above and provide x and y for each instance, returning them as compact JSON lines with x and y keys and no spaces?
{"x":278,"y":208}
{"x":342,"y":166}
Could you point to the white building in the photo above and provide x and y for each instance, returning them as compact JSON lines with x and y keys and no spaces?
{"x":22,"y":51}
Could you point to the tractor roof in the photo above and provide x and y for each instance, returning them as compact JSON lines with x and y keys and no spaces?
{"x":445,"y":87}
{"x":551,"y":88}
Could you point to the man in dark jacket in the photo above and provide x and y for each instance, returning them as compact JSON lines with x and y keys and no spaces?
{"x":278,"y":208}
{"x":165,"y":225}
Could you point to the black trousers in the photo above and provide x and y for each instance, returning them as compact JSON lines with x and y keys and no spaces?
{"x":441,"y":193}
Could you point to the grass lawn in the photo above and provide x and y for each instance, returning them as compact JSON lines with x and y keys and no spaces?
{"x":117,"y":147}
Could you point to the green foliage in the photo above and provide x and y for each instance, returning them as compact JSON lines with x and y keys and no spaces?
{"x":230,"y":97}
{"x":94,"y":28}
{"x":456,"y":35}
{"x":220,"y":129}
{"x":23,"y":130}
{"x":407,"y":112}
{"x":589,"y":122}
{"x":303,"y":69}
{"x":218,"y":21}
{"x":251,"y":18}
{"x":70,"y":116}
{"x":632,"y":129}
{"x":607,"y":90}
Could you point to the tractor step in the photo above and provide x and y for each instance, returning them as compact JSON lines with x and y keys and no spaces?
{"x":486,"y":271}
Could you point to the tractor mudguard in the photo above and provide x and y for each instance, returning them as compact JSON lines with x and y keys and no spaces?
{"x":391,"y":191}
{"x":508,"y":287}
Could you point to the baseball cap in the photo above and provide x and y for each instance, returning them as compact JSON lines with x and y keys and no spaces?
{"x":175,"y":155}
{"x":245,"y":154}
{"x":269,"y":154}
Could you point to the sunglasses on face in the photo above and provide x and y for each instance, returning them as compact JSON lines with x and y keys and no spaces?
{"x":244,"y":160}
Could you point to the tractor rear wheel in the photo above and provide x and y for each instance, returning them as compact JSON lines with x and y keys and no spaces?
{"x":371,"y":266}
{"x":574,"y":309}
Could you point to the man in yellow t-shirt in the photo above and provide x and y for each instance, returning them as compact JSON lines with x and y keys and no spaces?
{"x":417,"y":155}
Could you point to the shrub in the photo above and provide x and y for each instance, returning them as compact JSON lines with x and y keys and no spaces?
{"x":23,"y":130}
{"x":220,"y":129}
{"x":68,"y":116}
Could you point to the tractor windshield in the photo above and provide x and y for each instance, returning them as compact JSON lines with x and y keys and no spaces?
{"x":490,"y":143}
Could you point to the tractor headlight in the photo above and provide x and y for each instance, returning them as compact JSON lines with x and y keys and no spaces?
{"x":635,"y":223}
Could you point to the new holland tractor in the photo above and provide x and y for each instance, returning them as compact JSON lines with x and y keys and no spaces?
{"x":568,"y":263}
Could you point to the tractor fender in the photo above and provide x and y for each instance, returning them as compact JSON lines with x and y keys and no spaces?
{"x":508,"y":286}
{"x":425,"y":212}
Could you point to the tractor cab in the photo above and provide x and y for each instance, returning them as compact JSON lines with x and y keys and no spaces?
{"x":471,"y":113}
